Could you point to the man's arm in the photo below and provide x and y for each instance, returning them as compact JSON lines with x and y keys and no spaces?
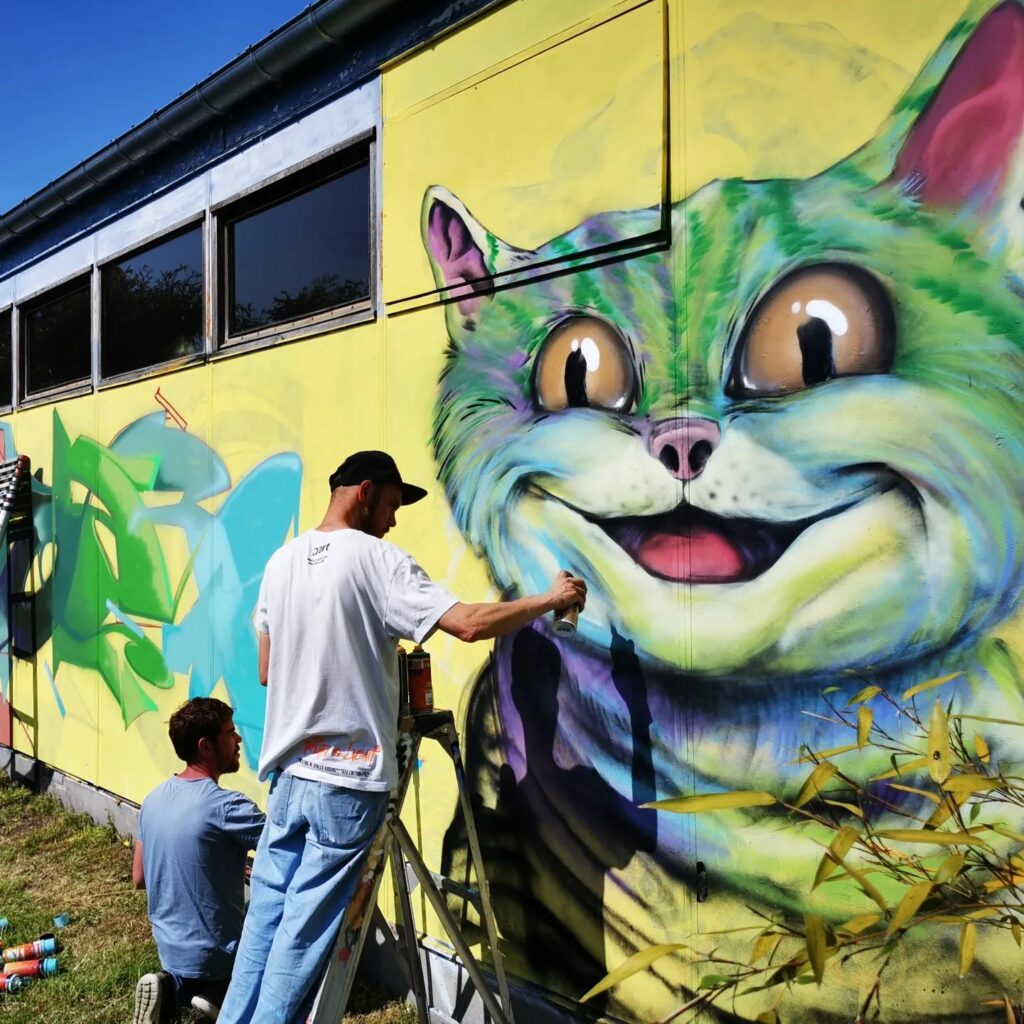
{"x":264,"y":657}
{"x":138,"y":875}
{"x":241,"y":819}
{"x":472,"y":622}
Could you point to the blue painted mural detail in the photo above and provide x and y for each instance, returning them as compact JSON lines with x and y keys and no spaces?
{"x":109,"y":602}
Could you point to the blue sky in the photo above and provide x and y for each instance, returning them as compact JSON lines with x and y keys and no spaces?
{"x":75,"y":74}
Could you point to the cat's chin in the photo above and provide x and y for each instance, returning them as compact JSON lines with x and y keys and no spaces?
{"x":690,"y":545}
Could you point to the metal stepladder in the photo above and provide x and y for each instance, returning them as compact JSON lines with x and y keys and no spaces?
{"x":395,"y":843}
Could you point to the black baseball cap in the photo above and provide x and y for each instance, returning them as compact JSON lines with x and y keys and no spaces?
{"x":378,"y":468}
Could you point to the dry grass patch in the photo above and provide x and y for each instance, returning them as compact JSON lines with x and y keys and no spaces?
{"x":54,"y":862}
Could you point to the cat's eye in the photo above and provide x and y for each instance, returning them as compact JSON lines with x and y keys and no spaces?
{"x":820,"y":322}
{"x":584,"y":361}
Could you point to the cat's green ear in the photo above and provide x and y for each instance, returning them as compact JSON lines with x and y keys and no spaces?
{"x":956,"y":139}
{"x":465,"y":257}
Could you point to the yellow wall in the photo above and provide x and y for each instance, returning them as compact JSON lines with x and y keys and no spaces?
{"x":521,"y":127}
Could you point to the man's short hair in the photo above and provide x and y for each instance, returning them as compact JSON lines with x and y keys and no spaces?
{"x":199,"y":717}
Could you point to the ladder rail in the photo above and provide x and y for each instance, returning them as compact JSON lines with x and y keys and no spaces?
{"x":447,"y":918}
{"x":412,"y":952}
{"x":476,"y":856}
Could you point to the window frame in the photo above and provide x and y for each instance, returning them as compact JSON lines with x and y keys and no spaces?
{"x":23,"y":307}
{"x":212,"y":219}
{"x":196,"y":220}
{"x":9,"y":310}
{"x":355,"y":151}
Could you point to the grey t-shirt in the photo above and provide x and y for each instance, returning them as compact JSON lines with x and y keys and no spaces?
{"x":335,"y":604}
{"x":195,"y":836}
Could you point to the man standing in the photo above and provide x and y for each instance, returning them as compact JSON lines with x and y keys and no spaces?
{"x":334,"y":601}
{"x":190,"y":857}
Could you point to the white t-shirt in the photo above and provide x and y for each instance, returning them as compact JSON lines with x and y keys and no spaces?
{"x":335,"y":605}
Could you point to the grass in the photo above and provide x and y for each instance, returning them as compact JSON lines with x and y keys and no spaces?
{"x":52,"y":862}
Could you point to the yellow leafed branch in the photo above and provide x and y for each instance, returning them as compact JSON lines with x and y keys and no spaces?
{"x":930,"y":684}
{"x":815,"y":782}
{"x":909,"y":906}
{"x":713,"y":802}
{"x":940,"y":756}
{"x":634,"y":965}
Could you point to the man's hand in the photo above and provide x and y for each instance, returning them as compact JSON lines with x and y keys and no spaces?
{"x":138,"y":873}
{"x":566,"y":591}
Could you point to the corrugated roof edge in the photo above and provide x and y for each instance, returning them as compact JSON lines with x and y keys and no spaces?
{"x":317,"y":29}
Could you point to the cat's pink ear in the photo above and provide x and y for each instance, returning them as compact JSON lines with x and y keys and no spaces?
{"x":455,"y":243}
{"x":965,"y":147}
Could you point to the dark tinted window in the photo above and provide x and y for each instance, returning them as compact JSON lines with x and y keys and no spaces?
{"x":305,"y":253}
{"x":55,"y":338}
{"x":5,"y":357}
{"x":153,"y":305}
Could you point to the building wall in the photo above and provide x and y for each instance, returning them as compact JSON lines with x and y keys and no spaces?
{"x":643,"y":174}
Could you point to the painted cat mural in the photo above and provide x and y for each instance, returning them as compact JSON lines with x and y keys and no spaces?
{"x":785,"y":452}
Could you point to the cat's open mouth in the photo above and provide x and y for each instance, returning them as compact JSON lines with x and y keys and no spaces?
{"x":693,"y":546}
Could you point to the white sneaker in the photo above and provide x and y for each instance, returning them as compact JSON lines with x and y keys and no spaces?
{"x":203,"y":1005}
{"x":149,"y":998}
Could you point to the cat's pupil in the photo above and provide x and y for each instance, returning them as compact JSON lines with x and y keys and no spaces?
{"x":815,"y":338}
{"x":576,"y":379}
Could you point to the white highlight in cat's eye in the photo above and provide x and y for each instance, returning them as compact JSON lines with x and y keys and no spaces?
{"x":796,"y":307}
{"x":591,"y":353}
{"x":831,"y":314}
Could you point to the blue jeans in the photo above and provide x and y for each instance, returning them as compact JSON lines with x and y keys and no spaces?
{"x":307,"y":865}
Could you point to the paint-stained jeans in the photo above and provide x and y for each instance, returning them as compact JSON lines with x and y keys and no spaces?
{"x":307,"y":865}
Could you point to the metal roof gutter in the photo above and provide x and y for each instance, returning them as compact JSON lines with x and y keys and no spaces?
{"x":319,"y":28}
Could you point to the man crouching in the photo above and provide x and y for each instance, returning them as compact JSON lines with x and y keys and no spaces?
{"x":190,"y":858}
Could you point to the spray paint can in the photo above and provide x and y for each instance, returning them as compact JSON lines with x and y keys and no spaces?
{"x":565,"y":621}
{"x":421,"y":689}
{"x":33,"y":968}
{"x":11,"y":982}
{"x":31,"y":950}
{"x":403,"y":682}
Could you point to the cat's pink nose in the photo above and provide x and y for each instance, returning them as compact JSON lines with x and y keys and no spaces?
{"x":684,"y":445}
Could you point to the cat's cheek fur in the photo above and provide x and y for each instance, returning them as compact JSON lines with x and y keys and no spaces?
{"x":614,"y":477}
{"x":745,"y":477}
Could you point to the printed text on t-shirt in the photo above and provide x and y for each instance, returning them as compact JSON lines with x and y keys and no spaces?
{"x":317,"y":745}
{"x":318,"y":554}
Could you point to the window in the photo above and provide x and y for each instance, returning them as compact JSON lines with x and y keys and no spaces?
{"x":299,"y":249}
{"x":55,"y":338}
{"x":152,"y":305}
{"x":6,"y":349}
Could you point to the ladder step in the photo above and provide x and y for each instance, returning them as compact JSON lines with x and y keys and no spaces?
{"x":446,"y":885}
{"x":464,"y":892}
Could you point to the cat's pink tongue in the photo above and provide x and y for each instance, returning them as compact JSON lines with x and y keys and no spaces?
{"x":699,"y":556}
